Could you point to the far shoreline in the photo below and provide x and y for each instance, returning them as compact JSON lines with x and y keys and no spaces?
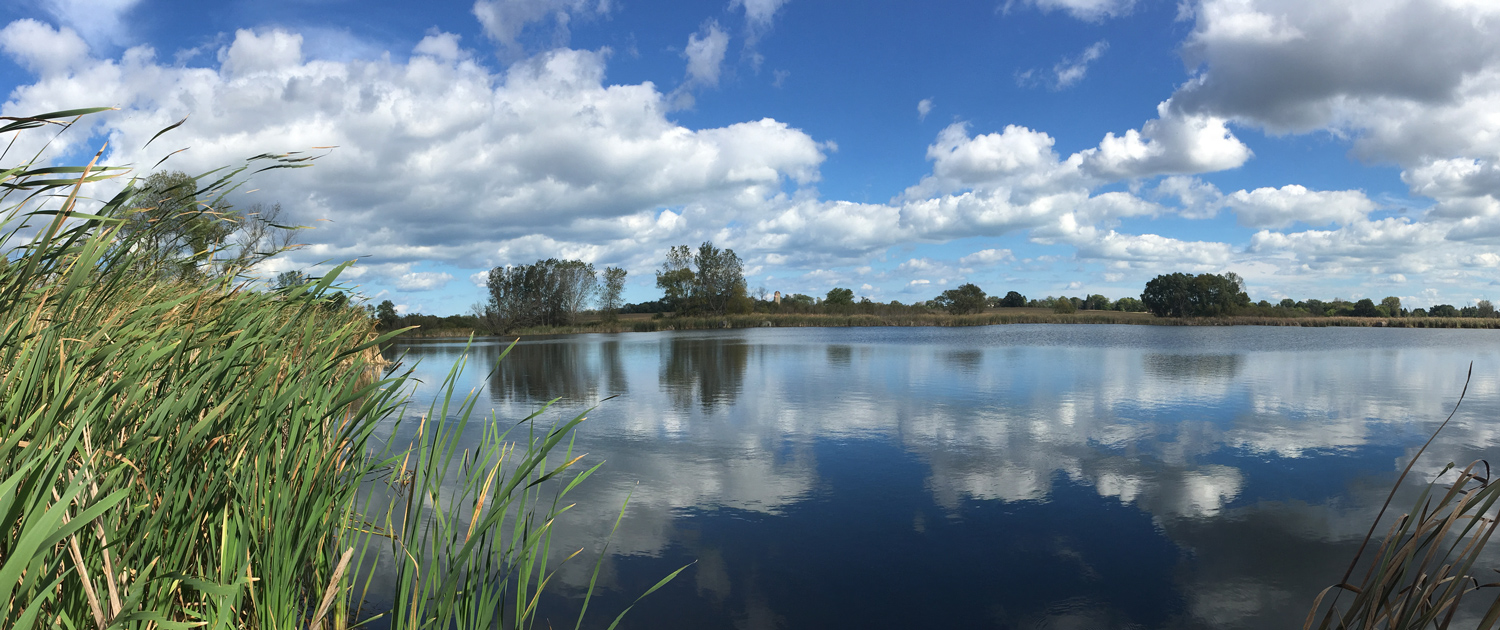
{"x":991,"y":317}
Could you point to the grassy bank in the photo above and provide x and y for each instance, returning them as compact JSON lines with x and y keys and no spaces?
{"x":184,"y":452}
{"x":992,"y":317}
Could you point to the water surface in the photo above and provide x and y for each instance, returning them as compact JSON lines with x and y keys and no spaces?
{"x":1024,"y":476}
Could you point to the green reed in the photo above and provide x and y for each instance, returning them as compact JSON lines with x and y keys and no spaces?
{"x":198,"y":454}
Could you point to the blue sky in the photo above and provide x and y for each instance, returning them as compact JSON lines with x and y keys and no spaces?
{"x":1341,"y":148}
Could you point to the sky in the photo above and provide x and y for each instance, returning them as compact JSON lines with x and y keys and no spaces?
{"x":1339,"y":148}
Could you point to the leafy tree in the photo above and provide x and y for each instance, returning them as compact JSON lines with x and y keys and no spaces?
{"x":992,"y":301}
{"x":1096,"y":302}
{"x":175,"y":231}
{"x":1443,"y":310}
{"x":1205,"y":295}
{"x":385,"y":314}
{"x":1129,"y":305}
{"x":798,"y":300}
{"x":1392,"y":305}
{"x":1365,"y":308}
{"x":1171,"y":295}
{"x":676,"y":278}
{"x":609,"y":298}
{"x":287,"y":279}
{"x":1063,"y":306}
{"x":720,"y":279}
{"x":967,"y":298}
{"x":547,"y":293}
{"x":712,"y":280}
{"x":839,"y":297}
{"x":1288,"y":303}
{"x":1316,"y":307}
{"x":1013,"y":299}
{"x":1484,"y":309}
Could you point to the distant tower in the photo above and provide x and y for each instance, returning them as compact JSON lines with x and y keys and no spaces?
{"x":778,"y":298}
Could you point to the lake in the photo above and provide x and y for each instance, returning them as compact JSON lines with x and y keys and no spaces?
{"x":1024,"y":476}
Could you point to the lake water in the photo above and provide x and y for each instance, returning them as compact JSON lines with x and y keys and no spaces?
{"x":1025,"y":476}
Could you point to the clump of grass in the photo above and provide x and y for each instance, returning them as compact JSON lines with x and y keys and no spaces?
{"x":1424,"y":567}
{"x":201,"y":454}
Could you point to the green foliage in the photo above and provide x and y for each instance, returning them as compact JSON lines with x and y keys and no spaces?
{"x":711,"y":281}
{"x":1183,"y":295}
{"x":385,"y":314}
{"x":1096,"y":302}
{"x":839,"y":297}
{"x":1013,"y":299}
{"x":1130,"y":305}
{"x":190,"y":454}
{"x":1365,"y":308}
{"x":964,"y":300}
{"x":1064,"y":306}
{"x":676,"y":278}
{"x":614,"y":286}
{"x":546,"y":293}
{"x":1392,"y":305}
{"x":288,"y":279}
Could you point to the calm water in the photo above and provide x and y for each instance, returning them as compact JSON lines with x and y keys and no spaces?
{"x":1027,"y":476}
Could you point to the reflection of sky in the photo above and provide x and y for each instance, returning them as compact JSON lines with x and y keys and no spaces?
{"x":1009,"y":475}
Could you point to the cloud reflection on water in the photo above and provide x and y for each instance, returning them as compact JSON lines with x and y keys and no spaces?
{"x":1181,"y":428}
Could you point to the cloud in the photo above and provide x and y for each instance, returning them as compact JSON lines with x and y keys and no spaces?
{"x":1174,"y":143}
{"x":99,"y":22}
{"x":1086,"y":10}
{"x":422,"y":281}
{"x":42,"y":49}
{"x":705,"y":54}
{"x":986,"y":257}
{"x":504,"y":20}
{"x":924,"y":107}
{"x":1281,"y":207}
{"x":758,"y":13}
{"x":1071,"y":70}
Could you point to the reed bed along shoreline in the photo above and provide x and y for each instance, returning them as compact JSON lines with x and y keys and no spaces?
{"x":998,"y":317}
{"x":179,"y":449}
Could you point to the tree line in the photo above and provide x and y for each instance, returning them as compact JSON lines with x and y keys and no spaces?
{"x":1211,"y":295}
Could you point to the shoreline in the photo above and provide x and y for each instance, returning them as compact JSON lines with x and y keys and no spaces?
{"x":996,"y":317}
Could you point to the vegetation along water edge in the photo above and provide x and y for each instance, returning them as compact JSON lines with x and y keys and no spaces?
{"x":181,"y":448}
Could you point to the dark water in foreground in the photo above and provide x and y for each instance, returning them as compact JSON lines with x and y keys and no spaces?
{"x":1027,"y":476}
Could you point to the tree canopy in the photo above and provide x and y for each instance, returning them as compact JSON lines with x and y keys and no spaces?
{"x":1184,"y":295}
{"x":967,"y":298}
{"x":546,"y":293}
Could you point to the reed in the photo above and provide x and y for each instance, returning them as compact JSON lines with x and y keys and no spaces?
{"x":1425,"y":566}
{"x":200,"y":454}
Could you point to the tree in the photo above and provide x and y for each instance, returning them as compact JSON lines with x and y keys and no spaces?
{"x":609,"y":298}
{"x":1013,"y":299}
{"x":839,"y":297}
{"x":546,"y":293}
{"x":1485,"y":309}
{"x":288,"y":279}
{"x":1392,"y":305}
{"x":720,"y":278}
{"x":1205,"y":295}
{"x":1129,"y":305}
{"x":1365,"y":308}
{"x":1096,"y":302}
{"x":1287,"y":303}
{"x":710,"y":281}
{"x":1170,"y":295}
{"x":1064,"y":305}
{"x":676,"y":277}
{"x":385,"y":314}
{"x":1443,"y":310}
{"x":175,"y":232}
{"x":967,"y":298}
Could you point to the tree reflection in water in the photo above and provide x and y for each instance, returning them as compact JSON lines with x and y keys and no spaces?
{"x":712,"y":369}
{"x":542,"y":370}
